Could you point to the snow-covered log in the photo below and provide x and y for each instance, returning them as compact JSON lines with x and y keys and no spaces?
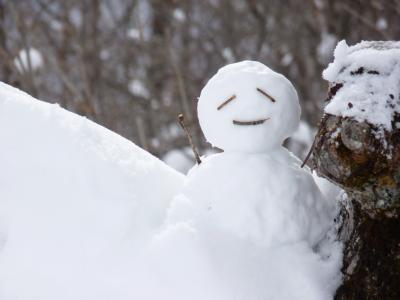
{"x":358,"y":147}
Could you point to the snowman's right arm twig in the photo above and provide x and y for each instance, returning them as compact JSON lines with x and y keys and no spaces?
{"x":189,"y":136}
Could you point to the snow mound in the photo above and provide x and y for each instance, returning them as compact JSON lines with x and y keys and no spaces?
{"x":77,"y":203}
{"x":244,"y":237}
{"x":369,"y":73}
{"x":249,"y":223}
{"x":87,"y":215}
{"x":238,"y":193}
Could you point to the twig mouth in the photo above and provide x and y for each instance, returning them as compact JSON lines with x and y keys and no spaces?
{"x":247,"y":123}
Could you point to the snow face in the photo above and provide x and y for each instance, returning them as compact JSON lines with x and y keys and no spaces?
{"x":244,"y":93}
{"x":370,"y":75}
{"x":77,"y":205}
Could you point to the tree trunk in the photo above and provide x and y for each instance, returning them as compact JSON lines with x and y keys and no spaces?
{"x":366,"y":165}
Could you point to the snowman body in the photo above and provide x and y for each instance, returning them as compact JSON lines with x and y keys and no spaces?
{"x":255,"y":189}
{"x":247,"y":221}
{"x":264,"y":198}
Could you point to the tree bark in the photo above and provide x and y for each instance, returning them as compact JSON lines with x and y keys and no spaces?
{"x":367,"y":166}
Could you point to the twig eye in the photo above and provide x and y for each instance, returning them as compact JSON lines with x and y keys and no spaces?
{"x":266,"y":95}
{"x":226,"y":102}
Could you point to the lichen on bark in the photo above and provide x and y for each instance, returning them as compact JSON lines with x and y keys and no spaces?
{"x":354,"y":156}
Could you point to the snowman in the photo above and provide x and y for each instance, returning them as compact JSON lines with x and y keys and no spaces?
{"x":255,"y":189}
{"x":249,"y":223}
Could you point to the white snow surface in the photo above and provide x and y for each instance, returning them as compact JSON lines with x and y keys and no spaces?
{"x":256,"y":221}
{"x":85,"y":214}
{"x":366,"y":95}
{"x":241,"y":80}
{"x":77,"y":204}
{"x":265,"y":211}
{"x":255,"y":234}
{"x":180,"y":159}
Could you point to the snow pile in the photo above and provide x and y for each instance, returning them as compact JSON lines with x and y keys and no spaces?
{"x":370,"y":75}
{"x":77,"y":204}
{"x":183,"y":159}
{"x":249,"y":223}
{"x":30,"y":59}
{"x":328,"y":189}
{"x":180,"y":159}
{"x":85,"y":214}
{"x":261,"y":207}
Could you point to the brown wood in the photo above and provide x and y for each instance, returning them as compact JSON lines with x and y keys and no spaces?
{"x":245,"y":123}
{"x":266,"y":95}
{"x":226,"y":102}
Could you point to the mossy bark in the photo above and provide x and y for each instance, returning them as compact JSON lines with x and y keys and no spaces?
{"x":365,"y":162}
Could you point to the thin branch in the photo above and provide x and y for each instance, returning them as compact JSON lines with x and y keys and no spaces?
{"x":226,"y":102}
{"x":266,"y":95}
{"x":189,"y":136}
{"x":245,"y":123}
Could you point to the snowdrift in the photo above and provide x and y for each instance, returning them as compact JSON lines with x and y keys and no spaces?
{"x":76,"y":202}
{"x":87,"y":215}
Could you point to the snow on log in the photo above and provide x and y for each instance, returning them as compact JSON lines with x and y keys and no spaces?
{"x":358,"y":147}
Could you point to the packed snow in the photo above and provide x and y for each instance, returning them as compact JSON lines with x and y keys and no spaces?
{"x":257,"y":221}
{"x":370,"y":75}
{"x":85,"y":214}
{"x":28,"y":59}
{"x":229,"y":92}
{"x":77,"y":202}
{"x":181,"y":160}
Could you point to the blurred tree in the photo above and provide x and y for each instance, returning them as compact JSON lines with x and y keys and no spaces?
{"x":133,"y":65}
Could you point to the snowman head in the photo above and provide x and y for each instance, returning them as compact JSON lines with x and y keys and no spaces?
{"x":247,"y":107}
